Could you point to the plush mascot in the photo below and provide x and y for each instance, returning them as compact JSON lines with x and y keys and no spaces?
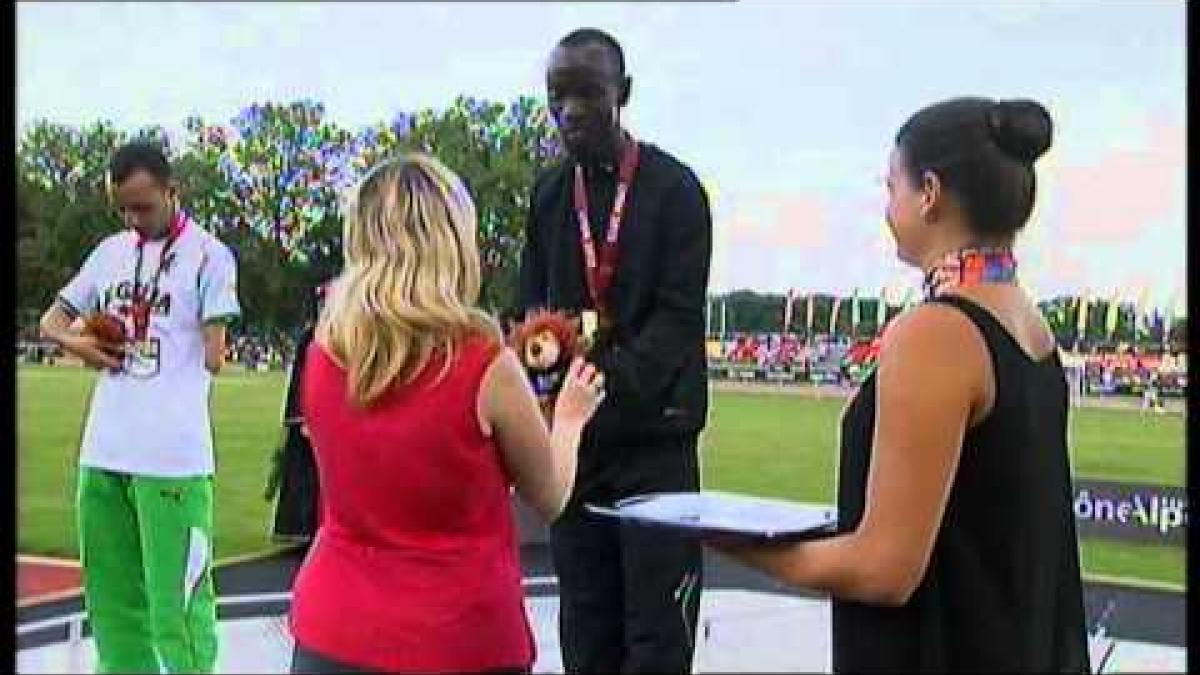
{"x":546,"y":342}
{"x":108,"y":329}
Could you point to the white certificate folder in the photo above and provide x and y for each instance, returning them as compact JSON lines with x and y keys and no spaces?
{"x":723,"y":515}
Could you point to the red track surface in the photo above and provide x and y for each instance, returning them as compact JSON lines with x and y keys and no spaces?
{"x":40,"y":579}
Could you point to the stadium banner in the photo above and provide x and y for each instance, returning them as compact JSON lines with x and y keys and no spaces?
{"x":1133,"y":512}
{"x":1103,"y":510}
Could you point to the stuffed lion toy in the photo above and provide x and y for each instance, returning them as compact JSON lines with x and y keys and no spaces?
{"x":546,"y":342}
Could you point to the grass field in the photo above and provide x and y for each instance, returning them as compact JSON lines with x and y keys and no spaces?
{"x":766,"y":444}
{"x":785,"y":446}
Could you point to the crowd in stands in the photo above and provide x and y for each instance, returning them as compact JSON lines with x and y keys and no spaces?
{"x":824,"y":358}
{"x":1126,"y":370}
{"x":250,"y":351}
{"x":257,"y":353}
{"x":1120,"y":369}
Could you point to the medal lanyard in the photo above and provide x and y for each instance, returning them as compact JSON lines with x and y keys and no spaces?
{"x":141,"y":297}
{"x":599,"y":268}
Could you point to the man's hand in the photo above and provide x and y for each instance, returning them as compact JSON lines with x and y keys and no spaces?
{"x":214,"y":346}
{"x":94,"y":352}
{"x":56,"y":326}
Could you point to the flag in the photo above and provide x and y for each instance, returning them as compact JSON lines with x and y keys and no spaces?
{"x":1141,"y":320}
{"x":1114,"y":314}
{"x":833,"y":315}
{"x":881,"y":309}
{"x":787,"y":310}
{"x":1081,"y":326}
{"x":1169,"y":316}
{"x":853,"y":310}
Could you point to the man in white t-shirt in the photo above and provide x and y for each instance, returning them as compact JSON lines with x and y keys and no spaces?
{"x":145,"y":494}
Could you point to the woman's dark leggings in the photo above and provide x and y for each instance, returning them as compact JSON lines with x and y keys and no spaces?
{"x":308,"y":661}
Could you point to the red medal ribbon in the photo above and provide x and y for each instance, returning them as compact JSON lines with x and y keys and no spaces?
{"x":598,"y":269}
{"x":142,"y":296}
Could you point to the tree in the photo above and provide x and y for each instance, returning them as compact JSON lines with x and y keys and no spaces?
{"x":282,"y":168}
{"x":497,"y":150}
{"x":269,"y":182}
{"x":274,"y":176}
{"x":268,"y":185}
{"x":62,"y":208}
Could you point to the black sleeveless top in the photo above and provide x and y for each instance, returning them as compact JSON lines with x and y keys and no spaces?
{"x":1002,"y":591}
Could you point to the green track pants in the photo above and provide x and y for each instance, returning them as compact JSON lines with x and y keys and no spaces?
{"x":146,"y":548}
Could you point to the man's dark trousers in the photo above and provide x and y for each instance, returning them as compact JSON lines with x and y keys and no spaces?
{"x":629,"y":595}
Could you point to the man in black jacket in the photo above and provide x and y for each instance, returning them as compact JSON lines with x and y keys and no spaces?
{"x":637,"y":266}
{"x":293,"y":475}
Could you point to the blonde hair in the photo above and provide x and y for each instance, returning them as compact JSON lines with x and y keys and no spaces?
{"x":411,"y":277}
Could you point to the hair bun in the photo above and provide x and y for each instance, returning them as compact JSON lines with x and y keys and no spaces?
{"x":1021,"y":128}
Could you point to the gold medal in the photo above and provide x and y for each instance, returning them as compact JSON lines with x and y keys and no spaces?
{"x":590,"y":324}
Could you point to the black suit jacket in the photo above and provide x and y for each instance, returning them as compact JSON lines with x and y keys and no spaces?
{"x":654,"y":364}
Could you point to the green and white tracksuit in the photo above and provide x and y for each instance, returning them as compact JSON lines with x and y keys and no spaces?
{"x":145,"y":499}
{"x":146,"y":545}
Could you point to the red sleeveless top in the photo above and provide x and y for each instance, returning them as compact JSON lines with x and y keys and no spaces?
{"x":415,"y":565}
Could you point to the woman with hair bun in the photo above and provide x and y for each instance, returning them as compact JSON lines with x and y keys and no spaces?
{"x":957,"y":548}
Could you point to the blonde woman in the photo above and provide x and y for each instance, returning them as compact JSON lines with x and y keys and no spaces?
{"x":420,"y":421}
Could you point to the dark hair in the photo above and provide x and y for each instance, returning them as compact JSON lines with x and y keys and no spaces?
{"x":588,"y":36}
{"x":139,"y":156}
{"x":982,"y":151}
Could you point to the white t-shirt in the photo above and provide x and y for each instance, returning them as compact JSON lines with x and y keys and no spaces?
{"x":152,"y":418}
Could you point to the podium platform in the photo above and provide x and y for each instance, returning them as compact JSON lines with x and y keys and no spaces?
{"x":741,"y":631}
{"x":748,"y":622}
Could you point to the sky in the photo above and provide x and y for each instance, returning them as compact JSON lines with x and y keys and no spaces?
{"x":786,"y":110}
